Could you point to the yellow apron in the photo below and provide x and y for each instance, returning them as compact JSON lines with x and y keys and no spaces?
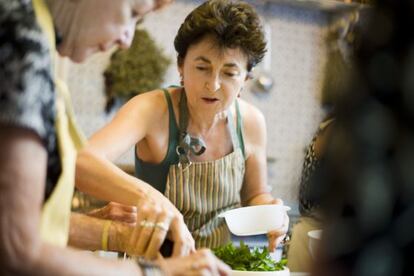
{"x":55,"y":218}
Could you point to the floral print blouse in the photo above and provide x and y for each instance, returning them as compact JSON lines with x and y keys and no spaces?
{"x":27,"y":92}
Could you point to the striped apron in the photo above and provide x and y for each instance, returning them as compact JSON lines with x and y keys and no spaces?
{"x":205,"y":189}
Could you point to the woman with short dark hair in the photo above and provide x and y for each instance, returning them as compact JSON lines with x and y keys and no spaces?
{"x":199,"y":144}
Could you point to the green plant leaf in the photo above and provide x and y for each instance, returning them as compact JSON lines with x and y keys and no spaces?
{"x":245,"y":259}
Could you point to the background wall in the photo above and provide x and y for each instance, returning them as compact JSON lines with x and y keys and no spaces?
{"x":291,"y":108}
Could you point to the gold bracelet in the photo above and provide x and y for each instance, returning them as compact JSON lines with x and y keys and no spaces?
{"x":105,"y":234}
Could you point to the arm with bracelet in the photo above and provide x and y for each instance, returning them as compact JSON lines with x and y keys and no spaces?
{"x":90,"y":233}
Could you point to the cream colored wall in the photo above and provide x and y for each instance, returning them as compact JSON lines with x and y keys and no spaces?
{"x":291,"y":108}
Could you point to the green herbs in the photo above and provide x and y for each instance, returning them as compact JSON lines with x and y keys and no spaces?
{"x":242,"y":258}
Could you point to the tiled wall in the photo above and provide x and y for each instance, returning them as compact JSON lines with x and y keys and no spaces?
{"x":291,"y":107}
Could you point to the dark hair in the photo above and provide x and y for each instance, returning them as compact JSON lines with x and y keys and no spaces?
{"x":233,"y":24}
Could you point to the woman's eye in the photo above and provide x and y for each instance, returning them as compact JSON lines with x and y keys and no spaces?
{"x":201,"y":68}
{"x":230,"y":74}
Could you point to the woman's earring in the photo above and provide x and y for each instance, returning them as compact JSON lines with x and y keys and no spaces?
{"x":182,"y":80}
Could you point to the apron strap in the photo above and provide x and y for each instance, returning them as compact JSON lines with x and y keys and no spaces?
{"x":232,"y":130}
{"x":186,"y":143}
{"x":240,"y":129}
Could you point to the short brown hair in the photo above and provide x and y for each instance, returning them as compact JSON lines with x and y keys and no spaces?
{"x":233,"y":24}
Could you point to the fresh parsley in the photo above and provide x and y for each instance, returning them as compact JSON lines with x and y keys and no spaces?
{"x":245,"y":259}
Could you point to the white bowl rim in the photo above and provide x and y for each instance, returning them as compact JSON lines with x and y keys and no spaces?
{"x":283,"y":207}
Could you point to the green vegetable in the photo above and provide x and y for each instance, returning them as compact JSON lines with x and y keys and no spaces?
{"x":246,"y":259}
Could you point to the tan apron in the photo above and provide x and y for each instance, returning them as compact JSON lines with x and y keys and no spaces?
{"x":205,"y":189}
{"x":55,"y":218}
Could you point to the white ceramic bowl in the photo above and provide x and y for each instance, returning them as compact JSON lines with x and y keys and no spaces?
{"x":284,"y":272}
{"x":314,"y":241}
{"x":255,"y":220}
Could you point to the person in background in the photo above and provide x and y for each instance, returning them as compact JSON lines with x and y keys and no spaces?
{"x":199,"y":144}
{"x":339,"y":44}
{"x":39,"y":139}
{"x":367,"y":176}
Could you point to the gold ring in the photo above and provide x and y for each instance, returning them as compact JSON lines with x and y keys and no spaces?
{"x":161,"y":226}
{"x":145,"y":223}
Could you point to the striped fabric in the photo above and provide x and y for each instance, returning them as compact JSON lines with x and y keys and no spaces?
{"x":206,"y":189}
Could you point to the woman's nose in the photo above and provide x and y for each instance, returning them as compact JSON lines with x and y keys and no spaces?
{"x":126,"y":38}
{"x":213,"y":84}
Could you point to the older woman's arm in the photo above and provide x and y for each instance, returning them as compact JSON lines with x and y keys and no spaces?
{"x":86,"y":233}
{"x":22,"y":182}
